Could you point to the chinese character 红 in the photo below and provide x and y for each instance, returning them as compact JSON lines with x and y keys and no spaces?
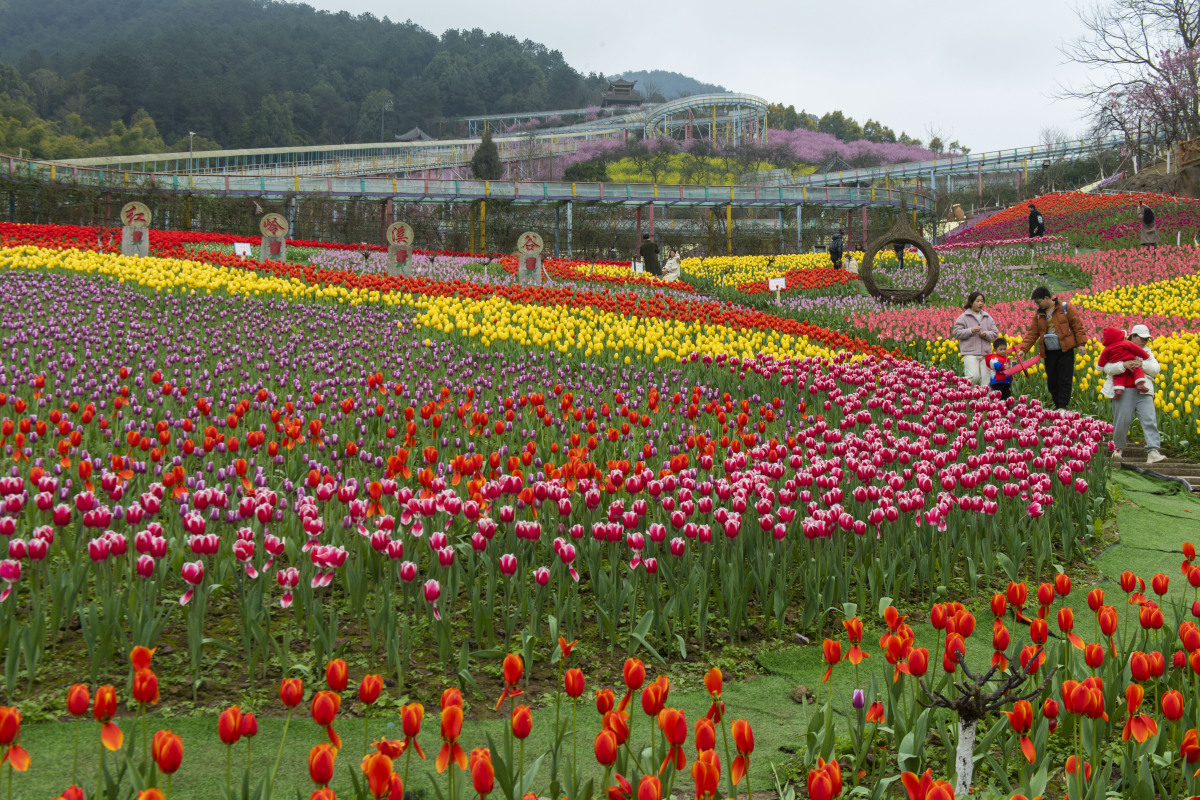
{"x":272,"y":226}
{"x":134,"y":214}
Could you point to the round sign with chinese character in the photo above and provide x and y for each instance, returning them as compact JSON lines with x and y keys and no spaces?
{"x":135,"y":215}
{"x":529,"y":244}
{"x":400,"y":234}
{"x":273,"y":226}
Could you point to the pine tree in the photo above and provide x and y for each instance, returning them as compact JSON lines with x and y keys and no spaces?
{"x":485,"y":164}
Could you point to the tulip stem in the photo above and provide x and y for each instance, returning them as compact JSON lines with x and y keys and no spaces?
{"x":286,"y":722}
{"x":366,"y":731}
{"x":75,"y":758}
{"x":728,"y":760}
{"x":228,"y":766}
{"x":100,"y":772}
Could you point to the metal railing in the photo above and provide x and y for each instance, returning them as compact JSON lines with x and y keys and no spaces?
{"x":449,"y":191}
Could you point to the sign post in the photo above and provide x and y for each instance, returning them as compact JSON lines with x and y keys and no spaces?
{"x":529,"y":258}
{"x":135,"y":230}
{"x":776,"y":285}
{"x":273,"y":247}
{"x":399,"y":241}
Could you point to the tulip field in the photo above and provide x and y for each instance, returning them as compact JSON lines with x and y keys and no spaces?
{"x":566,"y":521}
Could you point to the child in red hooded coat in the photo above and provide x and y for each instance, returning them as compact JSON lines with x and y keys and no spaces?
{"x":1118,"y":348}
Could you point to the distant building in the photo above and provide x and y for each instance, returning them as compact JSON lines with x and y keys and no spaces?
{"x":415,"y":135}
{"x":621,"y":94}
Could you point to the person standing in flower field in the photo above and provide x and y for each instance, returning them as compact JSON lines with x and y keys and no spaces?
{"x":1129,"y":404}
{"x":998,"y":363}
{"x":1056,"y":330}
{"x":975,"y":331}
{"x":835,"y":250}
{"x":649,"y":252}
{"x":1037,"y":223}
{"x":898,"y":249}
{"x":1149,"y":227}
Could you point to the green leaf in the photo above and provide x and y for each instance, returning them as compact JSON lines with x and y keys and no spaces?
{"x":1006,"y":563}
{"x":884,"y":602}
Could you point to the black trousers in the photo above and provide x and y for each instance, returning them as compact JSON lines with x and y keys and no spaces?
{"x":1060,"y":375}
{"x":1005,"y":389}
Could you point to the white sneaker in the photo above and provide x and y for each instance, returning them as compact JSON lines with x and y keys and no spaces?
{"x":1116,"y":456}
{"x":1153,"y":457}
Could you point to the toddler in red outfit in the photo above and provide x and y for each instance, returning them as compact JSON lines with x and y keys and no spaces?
{"x":1118,"y":348}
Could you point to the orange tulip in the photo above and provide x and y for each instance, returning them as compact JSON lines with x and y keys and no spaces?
{"x":10,"y":734}
{"x":322,"y":759}
{"x":618,"y":723}
{"x":565,"y":647}
{"x":713,"y":681}
{"x":825,"y":782}
{"x":78,"y":700}
{"x":925,"y":787}
{"x":483,"y":775}
{"x":743,"y":741}
{"x":522,"y":722}
{"x":337,"y":675}
{"x":634,"y":673}
{"x":573,"y":683}
{"x":605,"y":701}
{"x":369,"y":689}
{"x":1062,"y":584}
{"x":1172,"y":705}
{"x":1189,"y":749}
{"x":167,"y":749}
{"x":606,"y":748}
{"x":140,"y":657}
{"x":832,"y":651}
{"x":378,"y":769}
{"x":229,"y":725}
{"x":451,"y":697}
{"x":917,"y":663}
{"x":145,"y":687}
{"x":654,"y":697}
{"x":291,"y":692}
{"x":325,"y":707}
{"x":144,"y":794}
{"x":673,"y":723}
{"x":514,"y":668}
{"x":649,"y":788}
{"x":411,"y":717}
{"x":706,"y":774}
{"x":104,"y":707}
{"x":875,"y":713}
{"x":452,"y":721}
{"x":706,"y":735}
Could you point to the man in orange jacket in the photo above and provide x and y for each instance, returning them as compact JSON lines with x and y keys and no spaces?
{"x":1057,"y":331}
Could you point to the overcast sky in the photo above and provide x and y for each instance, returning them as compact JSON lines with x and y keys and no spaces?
{"x":984,"y":73}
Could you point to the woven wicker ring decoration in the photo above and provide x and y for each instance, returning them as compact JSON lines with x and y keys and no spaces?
{"x":901,"y":232}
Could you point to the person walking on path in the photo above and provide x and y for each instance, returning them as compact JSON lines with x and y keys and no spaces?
{"x":1056,"y":330}
{"x":649,"y":252}
{"x":1149,"y":227}
{"x":835,"y":250}
{"x":975,"y":330}
{"x":1037,"y":223}
{"x":1130,"y":404}
{"x":898,"y":249}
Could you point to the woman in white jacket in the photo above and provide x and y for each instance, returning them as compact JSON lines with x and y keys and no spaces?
{"x":1131,"y":403}
{"x":975,"y":331}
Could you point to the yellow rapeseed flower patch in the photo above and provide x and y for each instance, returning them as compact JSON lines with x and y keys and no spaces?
{"x":593,"y":333}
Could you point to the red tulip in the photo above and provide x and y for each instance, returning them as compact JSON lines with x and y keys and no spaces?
{"x":378,"y":770}
{"x":337,"y":675}
{"x":369,"y":689}
{"x":167,"y":749}
{"x":322,"y":759}
{"x":145,"y":687}
{"x":291,"y":692}
{"x":78,"y":700}
{"x":483,"y":775}
{"x":825,"y":782}
{"x":229,"y":725}
{"x":573,"y":683}
{"x":606,"y":748}
{"x":522,"y":722}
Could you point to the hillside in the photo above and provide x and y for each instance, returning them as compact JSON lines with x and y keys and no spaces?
{"x":669,"y":84}
{"x":254,"y":73}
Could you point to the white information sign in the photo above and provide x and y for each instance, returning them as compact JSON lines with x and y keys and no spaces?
{"x":776,"y":284}
{"x":243,"y":249}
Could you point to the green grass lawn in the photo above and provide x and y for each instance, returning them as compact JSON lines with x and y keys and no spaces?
{"x":1153,"y":518}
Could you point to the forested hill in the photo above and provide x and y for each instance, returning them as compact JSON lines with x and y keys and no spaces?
{"x":252,"y":73}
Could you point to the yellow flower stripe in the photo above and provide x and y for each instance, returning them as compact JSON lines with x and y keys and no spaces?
{"x":1175,"y":297}
{"x":736,"y":270}
{"x":1176,"y":390}
{"x":593,"y":333}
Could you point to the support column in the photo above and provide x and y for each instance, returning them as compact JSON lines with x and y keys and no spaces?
{"x":483,"y":226}
{"x":780,"y":230}
{"x":570,"y":207}
{"x":864,"y":226}
{"x":652,"y":219}
{"x":799,"y":229}
{"x":981,"y":185}
{"x":384,"y":216}
{"x":637,"y":232}
{"x":471,"y":230}
{"x":729,"y":228}
{"x":556,"y":232}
